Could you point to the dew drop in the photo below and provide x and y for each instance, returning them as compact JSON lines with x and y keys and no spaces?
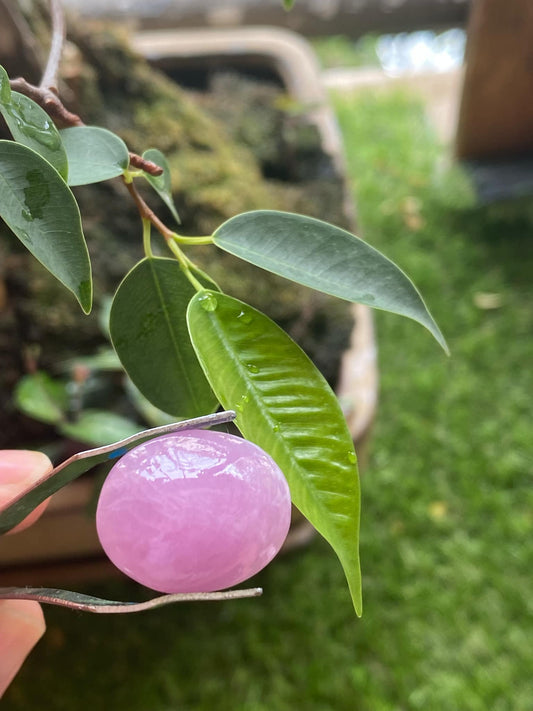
{"x":26,"y":215}
{"x":252,"y":367}
{"x":276,"y":428}
{"x":208,"y":302}
{"x":242,"y":402}
{"x":352,"y":458}
{"x":245,"y":317}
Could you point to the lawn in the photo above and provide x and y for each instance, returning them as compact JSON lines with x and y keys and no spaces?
{"x":447,"y":503}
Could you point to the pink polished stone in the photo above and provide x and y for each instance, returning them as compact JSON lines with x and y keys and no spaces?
{"x":195,"y":511}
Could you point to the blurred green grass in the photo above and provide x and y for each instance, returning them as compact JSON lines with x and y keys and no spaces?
{"x":447,"y":498}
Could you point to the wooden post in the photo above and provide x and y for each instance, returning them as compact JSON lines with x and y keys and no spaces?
{"x":496,"y":113}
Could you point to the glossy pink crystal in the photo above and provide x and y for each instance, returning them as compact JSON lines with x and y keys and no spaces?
{"x":196,"y":511}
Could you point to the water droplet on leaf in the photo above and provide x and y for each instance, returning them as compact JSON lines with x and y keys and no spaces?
{"x":245,"y":317}
{"x":242,"y":402}
{"x":352,"y":458}
{"x":252,"y":367}
{"x":208,"y":302}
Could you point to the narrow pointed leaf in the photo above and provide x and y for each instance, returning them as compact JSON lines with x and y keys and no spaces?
{"x":284,"y":405}
{"x":161,"y":183}
{"x":94,"y":154}
{"x":149,"y":332}
{"x":99,"y":427}
{"x":41,"y":210}
{"x":39,"y":396}
{"x":30,"y":125}
{"x":325,"y":258}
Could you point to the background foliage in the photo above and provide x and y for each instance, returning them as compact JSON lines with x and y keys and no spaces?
{"x":446,"y":498}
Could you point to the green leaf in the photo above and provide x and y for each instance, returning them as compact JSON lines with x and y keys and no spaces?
{"x":30,"y":125}
{"x":325,"y":258}
{"x":5,"y":88}
{"x":161,"y":183}
{"x":149,"y":333}
{"x":98,"y":428}
{"x":103,"y":360}
{"x":39,"y":396}
{"x":288,"y":4}
{"x":284,"y":405}
{"x":41,"y":210}
{"x":94,"y":154}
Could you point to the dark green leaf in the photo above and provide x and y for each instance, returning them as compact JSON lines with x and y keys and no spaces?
{"x":94,"y":154}
{"x":98,"y":428}
{"x":149,"y":333}
{"x":30,"y":125}
{"x":39,"y":396}
{"x":325,"y":258}
{"x":161,"y":183}
{"x":285,"y":406}
{"x":5,"y":89}
{"x":17,"y":509}
{"x":88,"y":603}
{"x":41,"y":210}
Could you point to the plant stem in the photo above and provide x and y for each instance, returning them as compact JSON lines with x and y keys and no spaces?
{"x":182,"y":239}
{"x":147,"y":231}
{"x":49,"y":78}
{"x":146,"y":212}
{"x":185,"y":264}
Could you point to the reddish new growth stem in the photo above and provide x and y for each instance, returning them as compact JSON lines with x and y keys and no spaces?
{"x":63,"y":118}
{"x":147,"y":213}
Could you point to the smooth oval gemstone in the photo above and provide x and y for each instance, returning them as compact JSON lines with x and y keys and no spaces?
{"x":196,"y":511}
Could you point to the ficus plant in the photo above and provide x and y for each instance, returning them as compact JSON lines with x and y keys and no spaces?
{"x":187,"y":345}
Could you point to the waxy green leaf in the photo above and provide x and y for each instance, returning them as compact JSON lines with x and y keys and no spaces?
{"x":325,"y":258}
{"x":285,"y":406}
{"x":161,"y":183}
{"x":39,"y":396}
{"x":149,"y":332}
{"x":30,"y":125}
{"x":94,"y":154}
{"x":41,"y":210}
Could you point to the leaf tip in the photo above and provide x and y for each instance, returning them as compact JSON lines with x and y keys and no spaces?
{"x":85,"y":296}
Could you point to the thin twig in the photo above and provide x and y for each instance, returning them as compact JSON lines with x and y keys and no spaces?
{"x":147,"y":165}
{"x":147,"y":213}
{"x":48,"y":101}
{"x":49,"y":78}
{"x":64,"y":118}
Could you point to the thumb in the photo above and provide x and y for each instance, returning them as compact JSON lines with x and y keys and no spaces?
{"x":21,"y":627}
{"x":19,"y":469}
